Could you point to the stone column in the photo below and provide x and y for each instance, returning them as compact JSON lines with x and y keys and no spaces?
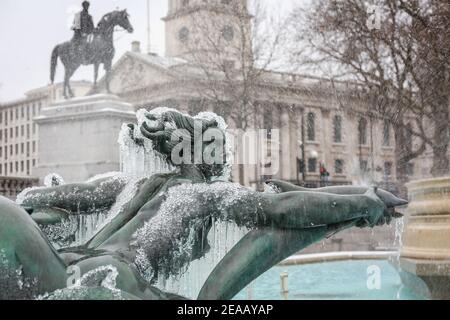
{"x":425,"y":255}
{"x":285,"y":144}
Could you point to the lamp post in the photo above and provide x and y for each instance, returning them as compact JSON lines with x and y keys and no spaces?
{"x":302,"y":146}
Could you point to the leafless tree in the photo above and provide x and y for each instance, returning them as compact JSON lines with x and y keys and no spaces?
{"x":402,"y":64}
{"x":231,"y":57}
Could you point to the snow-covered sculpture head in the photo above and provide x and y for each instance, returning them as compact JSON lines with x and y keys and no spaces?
{"x":165,"y":139}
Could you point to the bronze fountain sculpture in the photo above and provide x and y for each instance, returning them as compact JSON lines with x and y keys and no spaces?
{"x":164,"y":226}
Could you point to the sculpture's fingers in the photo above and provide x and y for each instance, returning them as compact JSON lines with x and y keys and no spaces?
{"x":256,"y":253}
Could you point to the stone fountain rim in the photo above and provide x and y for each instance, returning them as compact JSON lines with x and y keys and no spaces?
{"x":429,"y":183}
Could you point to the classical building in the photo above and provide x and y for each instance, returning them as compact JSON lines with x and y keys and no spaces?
{"x":313,"y":126}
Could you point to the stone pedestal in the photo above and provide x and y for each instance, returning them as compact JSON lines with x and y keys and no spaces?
{"x":78,"y":137}
{"x":425,"y":255}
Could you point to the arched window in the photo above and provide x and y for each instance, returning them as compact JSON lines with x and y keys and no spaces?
{"x":337,"y":127}
{"x":386,"y":134}
{"x":311,"y":126}
{"x":362,"y":131}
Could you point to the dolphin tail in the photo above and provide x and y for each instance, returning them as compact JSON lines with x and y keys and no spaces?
{"x":258,"y":251}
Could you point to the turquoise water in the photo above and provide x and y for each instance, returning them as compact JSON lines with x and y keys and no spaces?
{"x":344,"y":280}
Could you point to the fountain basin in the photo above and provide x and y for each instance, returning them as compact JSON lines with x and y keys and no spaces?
{"x":332,"y":280}
{"x":425,"y":254}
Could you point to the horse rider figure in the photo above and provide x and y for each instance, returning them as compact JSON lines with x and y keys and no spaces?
{"x":83,"y":27}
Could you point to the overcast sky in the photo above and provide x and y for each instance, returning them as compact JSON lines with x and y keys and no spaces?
{"x":30,"y":29}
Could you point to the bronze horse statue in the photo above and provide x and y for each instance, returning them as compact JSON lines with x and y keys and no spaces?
{"x":100,"y":50}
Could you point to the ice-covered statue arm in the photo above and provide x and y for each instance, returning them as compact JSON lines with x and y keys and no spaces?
{"x":294,"y":220}
{"x":76,"y":197}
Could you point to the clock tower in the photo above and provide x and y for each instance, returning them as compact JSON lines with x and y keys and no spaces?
{"x":202,"y":30}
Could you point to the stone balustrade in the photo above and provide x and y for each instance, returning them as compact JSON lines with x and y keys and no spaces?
{"x":10,"y":187}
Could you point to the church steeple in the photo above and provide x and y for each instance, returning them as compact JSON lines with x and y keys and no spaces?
{"x":196,"y":26}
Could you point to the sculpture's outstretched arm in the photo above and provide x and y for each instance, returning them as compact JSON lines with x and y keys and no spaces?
{"x":388,"y":198}
{"x":298,"y":210}
{"x":294,"y":220}
{"x":76,"y":197}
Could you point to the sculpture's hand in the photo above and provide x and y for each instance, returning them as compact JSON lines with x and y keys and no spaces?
{"x":73,"y":198}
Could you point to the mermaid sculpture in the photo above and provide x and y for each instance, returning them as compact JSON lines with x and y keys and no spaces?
{"x":164,"y":225}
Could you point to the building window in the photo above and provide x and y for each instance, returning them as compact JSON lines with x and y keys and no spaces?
{"x":11,"y":151}
{"x":388,"y":169}
{"x":22,"y":148}
{"x":28,"y":131}
{"x":339,"y":166}
{"x":386,"y":134}
{"x":17,"y":148}
{"x":28,"y":149}
{"x":183,"y":34}
{"x":22,"y":166}
{"x":268,"y":124}
{"x":311,"y":126}
{"x":28,"y":112}
{"x":362,"y":131}
{"x":364,"y":165}
{"x":17,"y":131}
{"x":1,"y":152}
{"x":34,"y":146}
{"x":34,"y":128}
{"x":22,"y":130}
{"x":28,"y":167}
{"x":312,"y":165}
{"x":228,"y":33}
{"x":10,"y":167}
{"x":6,"y":169}
{"x":337,"y":126}
{"x":410,"y":169}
